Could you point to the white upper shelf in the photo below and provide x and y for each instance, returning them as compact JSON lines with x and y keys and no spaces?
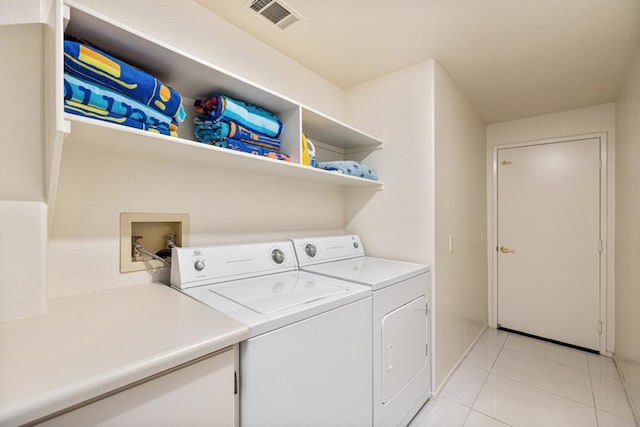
{"x":328,"y":130}
{"x":194,"y":78}
{"x":92,"y":134}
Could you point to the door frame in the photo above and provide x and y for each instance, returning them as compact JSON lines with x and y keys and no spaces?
{"x":606,"y":291}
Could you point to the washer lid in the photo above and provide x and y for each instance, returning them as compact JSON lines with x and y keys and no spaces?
{"x":272,"y":301}
{"x":271,"y":294}
{"x":375,"y":272}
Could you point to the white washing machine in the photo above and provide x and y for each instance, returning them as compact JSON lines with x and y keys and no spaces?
{"x":308,"y":359}
{"x":401,"y":366}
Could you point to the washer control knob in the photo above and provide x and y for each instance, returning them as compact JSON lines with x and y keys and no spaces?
{"x":356,"y":245}
{"x":277,"y":256}
{"x":310,"y":250}
{"x":199,"y":265}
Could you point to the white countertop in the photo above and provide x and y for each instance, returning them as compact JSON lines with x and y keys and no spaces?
{"x":87,"y":345}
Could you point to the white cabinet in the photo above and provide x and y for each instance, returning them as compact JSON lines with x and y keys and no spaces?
{"x":193,"y":78}
{"x":199,"y":394}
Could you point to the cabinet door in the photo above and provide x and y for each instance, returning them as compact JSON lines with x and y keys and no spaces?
{"x":196,"y":395}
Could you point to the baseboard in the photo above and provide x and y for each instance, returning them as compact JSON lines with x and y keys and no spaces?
{"x":636,"y":412}
{"x":436,"y":393}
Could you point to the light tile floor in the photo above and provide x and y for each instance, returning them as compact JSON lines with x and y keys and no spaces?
{"x":511,"y":380}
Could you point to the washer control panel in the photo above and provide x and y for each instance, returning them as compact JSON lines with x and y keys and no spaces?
{"x":206,"y":265}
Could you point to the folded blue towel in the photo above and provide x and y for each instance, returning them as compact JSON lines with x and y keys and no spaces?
{"x":234,"y":144}
{"x":208,"y":130}
{"x":107,"y":116}
{"x":349,"y":167}
{"x":78,"y":91}
{"x":222,"y":108}
{"x":94,"y":65}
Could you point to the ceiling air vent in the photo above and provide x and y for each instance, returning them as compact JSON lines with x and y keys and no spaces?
{"x":278,"y":12}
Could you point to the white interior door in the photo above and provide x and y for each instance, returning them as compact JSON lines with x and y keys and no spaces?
{"x":548,"y":234}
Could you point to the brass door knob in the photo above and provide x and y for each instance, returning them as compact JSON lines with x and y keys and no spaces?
{"x":506,"y":250}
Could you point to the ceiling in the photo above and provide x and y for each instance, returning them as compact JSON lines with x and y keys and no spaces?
{"x":511,"y":58}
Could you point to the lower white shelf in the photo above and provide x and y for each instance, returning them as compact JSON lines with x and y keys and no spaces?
{"x":89,"y":133}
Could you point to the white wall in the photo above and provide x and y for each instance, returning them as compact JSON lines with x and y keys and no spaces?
{"x":460,"y":285}
{"x":396,"y":222}
{"x":627,"y":349}
{"x":599,"y":118}
{"x":22,"y":207}
{"x":566,"y":123}
{"x":22,"y":139}
{"x":224,"y":206}
{"x":14,"y":12}
{"x":23,"y":231}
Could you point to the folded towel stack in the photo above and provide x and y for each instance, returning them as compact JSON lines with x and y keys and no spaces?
{"x":208,"y":129}
{"x":228,"y":123}
{"x":349,"y":167}
{"x":100,"y":86}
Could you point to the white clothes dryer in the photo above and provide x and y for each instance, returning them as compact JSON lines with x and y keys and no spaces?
{"x":308,"y":358}
{"x":401,"y":323}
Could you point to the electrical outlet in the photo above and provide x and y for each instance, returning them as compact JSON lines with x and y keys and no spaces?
{"x":450,"y":243}
{"x":151,"y":231}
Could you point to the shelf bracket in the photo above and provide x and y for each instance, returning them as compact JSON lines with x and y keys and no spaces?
{"x":65,"y":127}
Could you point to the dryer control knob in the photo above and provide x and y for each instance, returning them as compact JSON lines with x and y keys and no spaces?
{"x":277,"y":256}
{"x":310,"y":250}
{"x":199,"y":265}
{"x":356,"y":245}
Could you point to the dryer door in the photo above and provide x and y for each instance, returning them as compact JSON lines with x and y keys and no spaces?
{"x":404,"y":331}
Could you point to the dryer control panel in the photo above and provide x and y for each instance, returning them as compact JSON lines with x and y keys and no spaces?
{"x":316,"y":250}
